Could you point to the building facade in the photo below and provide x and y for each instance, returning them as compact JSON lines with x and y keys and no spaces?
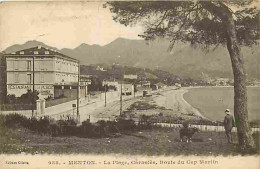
{"x":84,"y":82}
{"x":3,"y":89}
{"x":127,"y":88}
{"x":130,"y":76}
{"x":42,"y":69}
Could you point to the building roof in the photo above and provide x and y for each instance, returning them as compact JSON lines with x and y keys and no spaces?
{"x":40,"y":51}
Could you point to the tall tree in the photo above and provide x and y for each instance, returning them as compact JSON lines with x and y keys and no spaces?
{"x":204,"y":24}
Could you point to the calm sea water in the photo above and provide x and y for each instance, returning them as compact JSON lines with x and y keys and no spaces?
{"x":213,"y":101}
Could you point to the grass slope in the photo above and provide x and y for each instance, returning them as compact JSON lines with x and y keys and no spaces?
{"x":159,"y":141}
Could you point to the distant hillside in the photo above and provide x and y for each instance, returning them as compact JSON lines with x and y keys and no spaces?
{"x":28,"y":44}
{"x":183,"y":60}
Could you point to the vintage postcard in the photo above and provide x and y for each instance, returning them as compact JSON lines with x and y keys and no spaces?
{"x":129,"y":84}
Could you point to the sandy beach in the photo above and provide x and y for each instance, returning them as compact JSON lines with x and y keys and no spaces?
{"x":174,"y":100}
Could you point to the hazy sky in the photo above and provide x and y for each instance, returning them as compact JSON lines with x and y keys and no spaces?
{"x":60,"y":24}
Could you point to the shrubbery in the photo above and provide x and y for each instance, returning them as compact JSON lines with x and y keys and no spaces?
{"x":44,"y":125}
{"x":106,"y":128}
{"x":26,"y":101}
{"x":26,"y":98}
{"x":102,"y":128}
{"x":69,"y":127}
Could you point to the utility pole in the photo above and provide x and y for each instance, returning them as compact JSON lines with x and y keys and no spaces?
{"x":78,"y":92}
{"x":134,"y":88}
{"x":121,"y":98}
{"x":105,"y":94}
{"x":33,"y":98}
{"x":121,"y":86}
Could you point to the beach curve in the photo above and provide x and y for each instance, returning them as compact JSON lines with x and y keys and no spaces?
{"x":174,"y":99}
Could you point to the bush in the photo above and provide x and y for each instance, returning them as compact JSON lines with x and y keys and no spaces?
{"x":29,"y":97}
{"x":16,"y":120}
{"x":145,"y":122}
{"x":86,"y":129}
{"x":105,"y":128}
{"x":43,"y":126}
{"x":125,"y":124}
{"x":26,"y":98}
{"x":63,"y":128}
{"x":10,"y":99}
{"x":69,"y":127}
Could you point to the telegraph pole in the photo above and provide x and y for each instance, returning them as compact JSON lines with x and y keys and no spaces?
{"x":33,"y":98}
{"x":121,"y":86}
{"x":105,"y":94}
{"x":78,"y":92}
{"x":121,"y":98}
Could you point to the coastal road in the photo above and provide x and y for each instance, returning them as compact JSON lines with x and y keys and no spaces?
{"x":170,"y":99}
{"x":100,"y":112}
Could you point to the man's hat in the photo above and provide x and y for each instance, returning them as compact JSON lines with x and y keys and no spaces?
{"x":227,"y":111}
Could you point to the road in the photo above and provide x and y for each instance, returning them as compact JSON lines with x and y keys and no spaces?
{"x":98,"y":111}
{"x":170,"y":99}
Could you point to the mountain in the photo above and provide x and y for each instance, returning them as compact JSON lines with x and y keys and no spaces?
{"x":183,"y":60}
{"x":28,"y":44}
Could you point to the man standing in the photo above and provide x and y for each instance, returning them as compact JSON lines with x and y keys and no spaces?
{"x":228,"y":125}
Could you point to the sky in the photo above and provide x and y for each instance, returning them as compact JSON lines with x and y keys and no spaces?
{"x":60,"y":24}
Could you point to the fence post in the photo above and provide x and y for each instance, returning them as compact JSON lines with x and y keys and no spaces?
{"x":43,"y":106}
{"x":38,"y":107}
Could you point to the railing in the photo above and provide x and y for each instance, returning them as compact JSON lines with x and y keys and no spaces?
{"x":201,"y":126}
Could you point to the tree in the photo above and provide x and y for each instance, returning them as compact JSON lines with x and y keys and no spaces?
{"x":96,"y":84}
{"x":29,"y":97}
{"x":204,"y":24}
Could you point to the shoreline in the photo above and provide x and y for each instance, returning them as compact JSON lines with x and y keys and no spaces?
{"x":173,"y":99}
{"x":217,"y":104}
{"x":195,"y":87}
{"x":197,"y":112}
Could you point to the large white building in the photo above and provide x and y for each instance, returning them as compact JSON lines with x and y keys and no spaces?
{"x":46,"y":68}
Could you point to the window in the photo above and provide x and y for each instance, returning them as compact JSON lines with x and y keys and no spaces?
{"x":47,"y":52}
{"x":21,"y":52}
{"x":29,"y":78}
{"x":41,"y":65}
{"x":16,"y":78}
{"x":36,"y":52}
{"x":16,"y":65}
{"x":58,"y":65}
{"x":29,"y":64}
{"x":41,"y":78}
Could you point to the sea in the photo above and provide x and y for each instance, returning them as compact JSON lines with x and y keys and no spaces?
{"x":213,"y":101}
